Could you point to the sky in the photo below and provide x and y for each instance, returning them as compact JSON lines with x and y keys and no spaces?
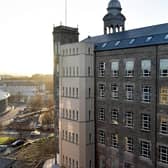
{"x":26,"y":44}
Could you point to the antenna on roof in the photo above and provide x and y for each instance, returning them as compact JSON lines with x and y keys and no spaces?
{"x":65,"y":12}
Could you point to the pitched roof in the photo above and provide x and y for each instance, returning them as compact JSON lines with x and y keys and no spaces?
{"x":151,"y":35}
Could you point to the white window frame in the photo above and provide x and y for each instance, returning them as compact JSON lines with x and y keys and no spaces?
{"x":114,"y":140}
{"x":146,"y":68}
{"x":129,"y":92}
{"x":101,"y":137}
{"x":129,"y":144}
{"x":101,"y":69}
{"x":146,"y":94}
{"x":101,"y":90}
{"x":101,"y":116}
{"x":114,"y":116}
{"x":115,"y":68}
{"x":145,"y":122}
{"x":145,"y":148}
{"x":129,"y":72}
{"x":164,"y":125}
{"x":163,"y":154}
{"x":163,"y":67}
{"x":129,"y":120}
{"x":114,"y":91}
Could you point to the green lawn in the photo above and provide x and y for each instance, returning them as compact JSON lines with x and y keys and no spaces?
{"x":6,"y":140}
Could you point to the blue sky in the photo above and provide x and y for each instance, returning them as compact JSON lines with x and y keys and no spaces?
{"x":26,"y":27}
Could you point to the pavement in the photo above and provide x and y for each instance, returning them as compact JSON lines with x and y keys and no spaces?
{"x":50,"y":164}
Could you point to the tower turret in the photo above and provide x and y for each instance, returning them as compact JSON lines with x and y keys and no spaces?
{"x":114,"y":20}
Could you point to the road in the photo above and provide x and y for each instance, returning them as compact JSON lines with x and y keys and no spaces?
{"x":8,"y":117}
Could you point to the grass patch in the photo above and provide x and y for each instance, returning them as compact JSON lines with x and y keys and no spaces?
{"x":6,"y":140}
{"x":35,"y":153}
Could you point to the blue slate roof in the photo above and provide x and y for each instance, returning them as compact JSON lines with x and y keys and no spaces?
{"x":152,"y":35}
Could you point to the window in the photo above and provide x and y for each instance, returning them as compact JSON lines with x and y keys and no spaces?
{"x":66,"y":135}
{"x":129,"y":92}
{"x":73,"y":137}
{"x":129,"y":144}
{"x":163,"y":154}
{"x":89,"y":92}
{"x":63,"y":113}
{"x":166,"y":37}
{"x":69,"y":162}
{"x":70,"y":71}
{"x":129,"y":68}
{"x":101,"y":90}
{"x":148,"y":39}
{"x":117,"y":43}
{"x":101,"y":137}
{"x":146,"y":95}
{"x":89,"y":70}
{"x":73,"y":92}
{"x":131,"y":41}
{"x":145,"y":148}
{"x":76,"y":164}
{"x":70,"y":114}
{"x":89,"y":115}
{"x":77,"y":71}
{"x":77,"y":115}
{"x":73,"y":115}
{"x":114,"y":91}
{"x":102,"y":163}
{"x":101,"y":114}
{"x":104,"y":45}
{"x":77,"y":94}
{"x":76,"y":138}
{"x":63,"y":91}
{"x":66,"y":92}
{"x":66,"y":71}
{"x":163,"y":67}
{"x":164,"y":95}
{"x":146,"y":68}
{"x":90,"y":138}
{"x":66,"y":113}
{"x":114,"y":116}
{"x":129,"y":119}
{"x":90,"y":164}
{"x":69,"y":92}
{"x":164,"y":125}
{"x":73,"y":164}
{"x":115,"y":68}
{"x":101,"y":69}
{"x":128,"y":165}
{"x":114,"y":140}
{"x":69,"y":136}
{"x":145,"y":121}
{"x":73,"y":71}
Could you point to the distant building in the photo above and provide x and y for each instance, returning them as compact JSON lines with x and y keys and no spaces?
{"x":22,"y":90}
{"x":3,"y":101}
{"x":112,"y":95}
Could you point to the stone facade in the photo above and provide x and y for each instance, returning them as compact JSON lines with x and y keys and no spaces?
{"x":117,"y":157}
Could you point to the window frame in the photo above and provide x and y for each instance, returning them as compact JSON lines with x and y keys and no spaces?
{"x":114,"y":91}
{"x":101,"y":115}
{"x":146,"y":95}
{"x":162,"y":154}
{"x":129,"y":119}
{"x":102,"y":67}
{"x":114,"y":140}
{"x":145,"y":148}
{"x":145,"y":122}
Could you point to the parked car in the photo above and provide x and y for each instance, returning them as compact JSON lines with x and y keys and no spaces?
{"x":18,"y":143}
{"x":35,"y":133}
